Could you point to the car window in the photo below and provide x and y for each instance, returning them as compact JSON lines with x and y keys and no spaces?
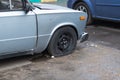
{"x":4,"y":5}
{"x":17,"y":4}
{"x":11,"y":5}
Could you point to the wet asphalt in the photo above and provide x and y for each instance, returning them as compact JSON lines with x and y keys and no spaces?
{"x":105,"y":32}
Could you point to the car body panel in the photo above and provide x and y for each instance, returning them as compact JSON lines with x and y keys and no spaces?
{"x":72,"y":3}
{"x":32,"y":30}
{"x":104,"y":9}
{"x":108,"y":9}
{"x":56,"y":19}
{"x":17,"y":31}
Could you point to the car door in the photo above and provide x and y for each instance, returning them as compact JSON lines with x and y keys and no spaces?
{"x":17,"y":29}
{"x":108,"y":9}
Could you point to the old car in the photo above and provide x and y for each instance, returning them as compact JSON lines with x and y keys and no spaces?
{"x":100,"y":9}
{"x":27,"y":28}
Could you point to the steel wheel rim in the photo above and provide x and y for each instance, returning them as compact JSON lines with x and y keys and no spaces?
{"x":64,"y":42}
{"x":82,"y":8}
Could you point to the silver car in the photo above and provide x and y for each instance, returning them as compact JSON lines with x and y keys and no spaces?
{"x":27,"y":28}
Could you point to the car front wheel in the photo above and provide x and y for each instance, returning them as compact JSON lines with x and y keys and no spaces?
{"x":63,"y":42}
{"x":81,"y":6}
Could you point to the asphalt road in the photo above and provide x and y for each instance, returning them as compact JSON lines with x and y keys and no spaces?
{"x":96,"y":59}
{"x":105,"y":32}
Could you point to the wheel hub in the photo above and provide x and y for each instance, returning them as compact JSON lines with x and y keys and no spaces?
{"x":82,"y":8}
{"x":64,"y":42}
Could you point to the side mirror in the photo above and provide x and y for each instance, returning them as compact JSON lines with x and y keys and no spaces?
{"x":27,"y":6}
{"x":27,"y":9}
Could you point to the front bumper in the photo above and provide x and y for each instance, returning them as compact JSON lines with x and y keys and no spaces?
{"x":84,"y":37}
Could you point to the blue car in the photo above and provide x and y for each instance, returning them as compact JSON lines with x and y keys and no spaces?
{"x":101,"y":9}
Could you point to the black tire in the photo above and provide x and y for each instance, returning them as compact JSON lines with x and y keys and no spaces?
{"x":81,"y":6}
{"x":63,"y":42}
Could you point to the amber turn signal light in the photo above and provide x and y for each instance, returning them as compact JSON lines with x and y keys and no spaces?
{"x":82,"y":18}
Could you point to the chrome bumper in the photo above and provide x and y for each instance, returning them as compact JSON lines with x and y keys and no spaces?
{"x":84,"y":37}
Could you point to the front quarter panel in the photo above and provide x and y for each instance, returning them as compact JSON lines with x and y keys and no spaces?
{"x":70,"y":3}
{"x":90,"y":4}
{"x":51,"y":20}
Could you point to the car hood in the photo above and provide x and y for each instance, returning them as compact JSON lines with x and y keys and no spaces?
{"x":50,"y":7}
